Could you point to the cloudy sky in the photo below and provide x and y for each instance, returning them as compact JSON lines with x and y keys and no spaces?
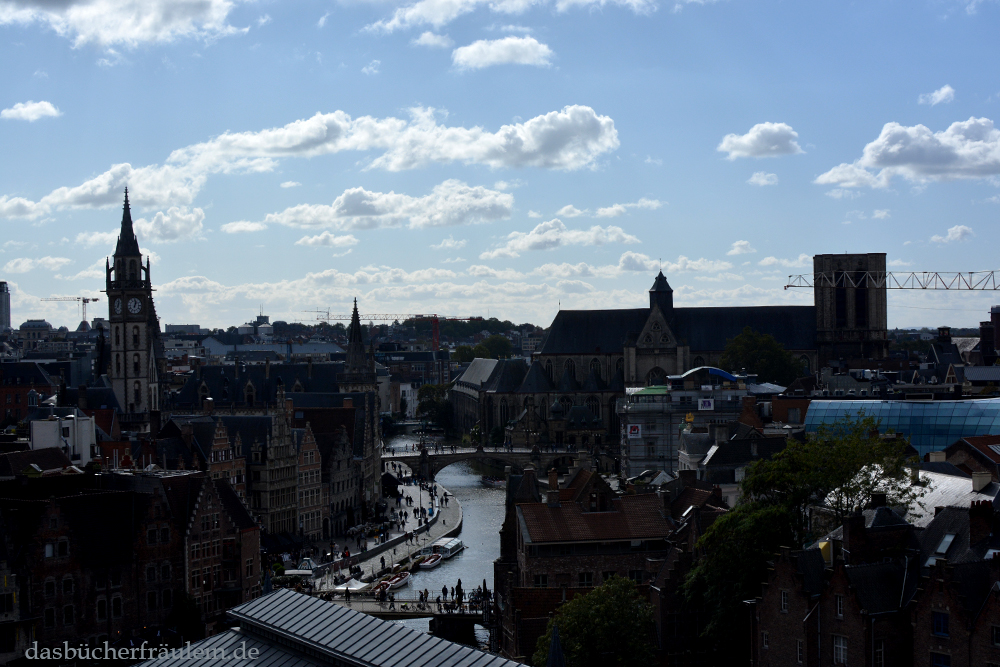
{"x":494,"y":157}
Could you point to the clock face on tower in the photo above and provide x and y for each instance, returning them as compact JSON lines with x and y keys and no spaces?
{"x":118,"y":306}
{"x":134,"y":305}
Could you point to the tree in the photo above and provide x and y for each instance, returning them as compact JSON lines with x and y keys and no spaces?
{"x":480,"y":351}
{"x":499,"y":346}
{"x":840,"y":466}
{"x":762,"y":355}
{"x":463,"y":354}
{"x":402,"y":406}
{"x":433,"y":404}
{"x":611,"y":625}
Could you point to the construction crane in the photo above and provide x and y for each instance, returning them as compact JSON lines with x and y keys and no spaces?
{"x":327,"y":316}
{"x":981,"y":281}
{"x":82,"y":300}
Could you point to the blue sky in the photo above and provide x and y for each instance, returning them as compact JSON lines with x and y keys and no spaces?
{"x":507,"y":158}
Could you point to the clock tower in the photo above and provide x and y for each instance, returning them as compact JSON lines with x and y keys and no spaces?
{"x":135,"y":330}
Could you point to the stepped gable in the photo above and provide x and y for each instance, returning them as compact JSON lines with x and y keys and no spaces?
{"x":235,"y":508}
{"x":536,"y":381}
{"x":250,"y":429}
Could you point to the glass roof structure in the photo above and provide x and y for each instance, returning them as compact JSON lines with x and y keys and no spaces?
{"x":930,"y":425}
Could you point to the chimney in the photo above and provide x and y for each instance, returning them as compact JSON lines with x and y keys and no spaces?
{"x":936,"y":457}
{"x":81,"y":397}
{"x":980,"y":521}
{"x":878,"y":499}
{"x":553,"y":478}
{"x":209,"y":405}
{"x":552,"y":495}
{"x":854,"y":533}
{"x":267,"y":369}
{"x":944,"y":334}
{"x":980,"y":480}
{"x":196,"y":362}
{"x":665,"y":498}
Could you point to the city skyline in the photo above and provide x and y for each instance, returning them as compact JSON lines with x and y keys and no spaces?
{"x":502,"y":159}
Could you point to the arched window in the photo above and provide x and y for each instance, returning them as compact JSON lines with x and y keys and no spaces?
{"x":620,"y":366}
{"x":119,"y":271}
{"x":548,"y":369}
{"x":118,"y":364}
{"x":135,"y":363}
{"x":614,"y":423}
{"x":543,"y":410}
{"x":118,"y":340}
{"x":248,"y":394}
{"x":131,"y":270}
{"x":804,"y":360}
{"x":570,"y":368}
{"x":595,"y":367}
{"x":566,"y":402}
{"x":699,"y":362}
{"x":656,"y":376}
{"x":135,"y":336}
{"x":504,"y":411}
{"x":203,"y":392}
{"x":594,"y":406}
{"x":137,"y":392}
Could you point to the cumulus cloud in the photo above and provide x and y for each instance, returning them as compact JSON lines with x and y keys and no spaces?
{"x":534,"y":214}
{"x":942,"y":95}
{"x":966,"y":150}
{"x":570,"y":211}
{"x":177,"y":224}
{"x":506,"y":51}
{"x":898,"y":262}
{"x":322,"y":20}
{"x":433,"y":41}
{"x":741,"y":248}
{"x":842,"y":193}
{"x":956,"y":233}
{"x":25,"y":264}
{"x":763,"y":178}
{"x":553,"y":234}
{"x":450,"y":203}
{"x":128,"y":23}
{"x":449,"y":244}
{"x":763,"y":140}
{"x":881,"y":214}
{"x":30,"y":111}
{"x":615,"y":210}
{"x":243,"y":227}
{"x":290,"y":184}
{"x":800,"y":262}
{"x":372,"y":67}
{"x":328,"y":240}
{"x":91,"y":239}
{"x":573,"y":138}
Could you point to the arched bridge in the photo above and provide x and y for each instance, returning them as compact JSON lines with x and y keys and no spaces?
{"x":427,"y":464}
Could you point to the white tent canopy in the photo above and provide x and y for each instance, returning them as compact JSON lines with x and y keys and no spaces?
{"x":352,"y":585}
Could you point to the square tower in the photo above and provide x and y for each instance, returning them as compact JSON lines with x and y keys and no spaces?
{"x":850,"y":297}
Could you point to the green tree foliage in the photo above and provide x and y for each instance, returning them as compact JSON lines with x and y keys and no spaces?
{"x":433,"y":404}
{"x":840,"y":466}
{"x":611,"y":625}
{"x":463,"y":329}
{"x":494,"y":347}
{"x":463,"y":354}
{"x":760,"y":354}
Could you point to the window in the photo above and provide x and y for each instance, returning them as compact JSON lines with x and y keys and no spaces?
{"x":50,"y":617}
{"x":800,"y":651}
{"x":116,"y":578}
{"x":794,"y":415}
{"x":151,"y":536}
{"x":839,"y":602}
{"x":765,"y":640}
{"x":69,"y":615}
{"x":249,"y":568}
{"x":605,"y":576}
{"x":541,"y":580}
{"x":165,"y":534}
{"x":116,"y":607}
{"x":996,"y":635}
{"x":151,"y":573}
{"x":940,"y":660}
{"x":68,"y":586}
{"x":62,"y":548}
{"x":151,"y":601}
{"x":195,"y":578}
{"x":135,"y":363}
{"x":879,"y":653}
{"x":638,"y":576}
{"x":50,"y":550}
{"x":166,"y":598}
{"x":586,"y":579}
{"x":165,"y":572}
{"x":6,"y":603}
{"x":839,"y":650}
{"x":102,"y":609}
{"x":939,"y":620}
{"x":50,"y":588}
{"x":784,"y":601}
{"x":135,"y":336}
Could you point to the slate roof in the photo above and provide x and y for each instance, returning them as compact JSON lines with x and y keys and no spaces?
{"x":984,"y":445}
{"x":982,"y":373}
{"x":632,"y":518}
{"x":25,"y":373}
{"x":522,"y":489}
{"x":740,"y":452}
{"x":128,"y":245}
{"x":235,"y":508}
{"x":879,"y":587}
{"x":944,"y":468}
{"x":593,"y":331}
{"x":49,"y":458}
{"x":97,"y":398}
{"x":568,"y":383}
{"x":478,"y":372}
{"x":314,"y":632}
{"x":508,"y":376}
{"x":945,"y":491}
{"x":251,"y":429}
{"x":879,"y":517}
{"x":536,"y":381}
{"x":227,"y":386}
{"x":594,"y":383}
{"x":580,"y":416}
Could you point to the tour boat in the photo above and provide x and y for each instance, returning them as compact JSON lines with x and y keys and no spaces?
{"x":448,"y":546}
{"x":431,"y":562}
{"x":493,"y":482}
{"x":399,"y":580}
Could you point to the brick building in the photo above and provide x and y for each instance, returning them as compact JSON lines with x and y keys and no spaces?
{"x":17,"y":380}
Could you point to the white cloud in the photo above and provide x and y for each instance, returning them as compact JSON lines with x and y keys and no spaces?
{"x":956,"y":233}
{"x":802,"y":261}
{"x":291,"y":184}
{"x":553,"y":234}
{"x":177,"y":224}
{"x":372,"y":67}
{"x":91,"y":239}
{"x":322,"y":20}
{"x":763,"y":178}
{"x":881,"y":214}
{"x":842,"y":193}
{"x":741,"y":248}
{"x":449,"y":244}
{"x":534,"y":214}
{"x":263,"y":20}
{"x":898,"y":262}
{"x":506,"y":51}
{"x":634,"y":261}
{"x":966,"y":150}
{"x":243,"y":227}
{"x":615,"y":210}
{"x":570,"y":211}
{"x":450,"y":203}
{"x":654,"y":160}
{"x":326,"y":239}
{"x":25,"y":264}
{"x":433,"y":41}
{"x":942,"y":95}
{"x":508,"y":185}
{"x":763,"y":140}
{"x":30,"y":111}
{"x":453,"y":260}
{"x":480,"y":271}
{"x":573,"y":138}
{"x":129,"y":23}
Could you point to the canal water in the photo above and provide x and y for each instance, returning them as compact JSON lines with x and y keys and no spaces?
{"x":483,"y":513}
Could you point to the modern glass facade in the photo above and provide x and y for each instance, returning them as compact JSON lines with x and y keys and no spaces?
{"x":930,"y":425}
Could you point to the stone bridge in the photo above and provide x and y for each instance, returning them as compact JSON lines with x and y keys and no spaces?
{"x":427,"y":465}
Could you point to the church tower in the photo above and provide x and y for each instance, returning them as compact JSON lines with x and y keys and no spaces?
{"x":359,"y":374}
{"x":135,"y":330}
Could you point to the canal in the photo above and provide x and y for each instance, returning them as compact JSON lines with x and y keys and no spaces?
{"x":483,"y":512}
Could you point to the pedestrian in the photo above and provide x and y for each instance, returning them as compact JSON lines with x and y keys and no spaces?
{"x":444,"y":592}
{"x":347,"y":594}
{"x":383,"y":562}
{"x":452,"y":592}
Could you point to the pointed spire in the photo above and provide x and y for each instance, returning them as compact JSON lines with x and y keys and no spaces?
{"x":355,"y":345}
{"x":128,"y":245}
